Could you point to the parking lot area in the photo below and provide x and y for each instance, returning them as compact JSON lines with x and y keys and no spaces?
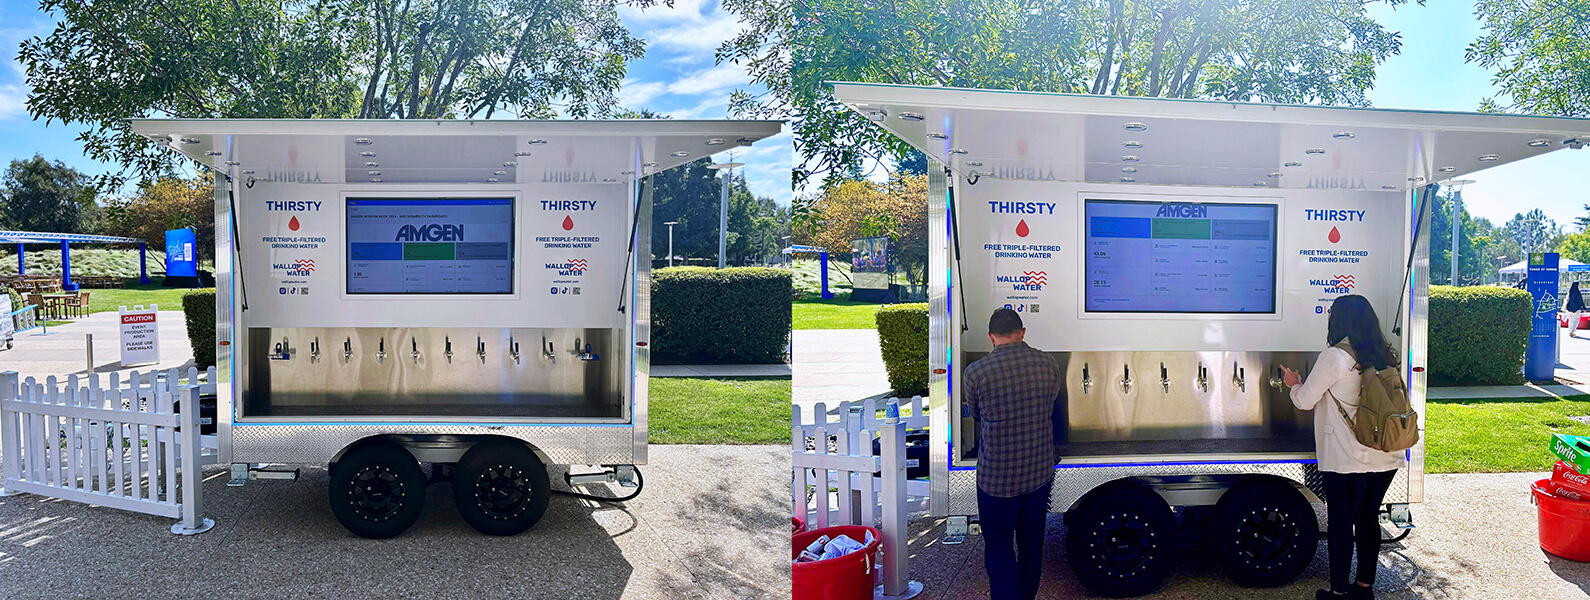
{"x":1475,"y":538}
{"x":711,"y":523}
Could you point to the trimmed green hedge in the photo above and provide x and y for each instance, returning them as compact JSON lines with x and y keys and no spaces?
{"x":903,"y":338}
{"x":198,"y":309}
{"x":739,"y":315}
{"x":1478,"y":334}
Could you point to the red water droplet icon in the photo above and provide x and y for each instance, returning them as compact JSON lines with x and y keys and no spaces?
{"x":1335,"y":236}
{"x":293,"y":224}
{"x":1021,"y":229}
{"x":568,"y":223}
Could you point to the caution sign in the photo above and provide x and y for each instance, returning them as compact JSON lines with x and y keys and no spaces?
{"x":140,"y":338}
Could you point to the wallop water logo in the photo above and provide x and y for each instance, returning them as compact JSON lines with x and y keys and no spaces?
{"x":1027,"y":281}
{"x":570,"y":268}
{"x":302,"y":267}
{"x":1340,"y":284}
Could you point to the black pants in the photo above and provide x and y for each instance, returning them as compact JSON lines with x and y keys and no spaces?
{"x":1013,"y":542}
{"x":1352,"y":507}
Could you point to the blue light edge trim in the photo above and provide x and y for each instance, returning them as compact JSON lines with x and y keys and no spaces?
{"x":1172,"y":464}
{"x":444,"y":424}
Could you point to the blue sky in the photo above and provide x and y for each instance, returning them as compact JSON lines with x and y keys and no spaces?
{"x":676,"y":77}
{"x":1430,"y":74}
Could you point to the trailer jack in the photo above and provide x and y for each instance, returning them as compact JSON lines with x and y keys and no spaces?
{"x":242,"y":472}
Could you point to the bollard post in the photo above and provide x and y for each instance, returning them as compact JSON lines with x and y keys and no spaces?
{"x":191,"y":467}
{"x":894,"y":529}
{"x":90,"y":344}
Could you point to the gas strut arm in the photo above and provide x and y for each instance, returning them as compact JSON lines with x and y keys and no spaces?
{"x":641,"y":189}
{"x":955,"y":234}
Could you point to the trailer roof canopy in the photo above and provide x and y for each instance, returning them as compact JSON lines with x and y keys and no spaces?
{"x":448,"y":151}
{"x":1114,"y":139}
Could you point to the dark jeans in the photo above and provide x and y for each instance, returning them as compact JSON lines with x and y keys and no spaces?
{"x":1352,"y":507}
{"x":1013,"y":542}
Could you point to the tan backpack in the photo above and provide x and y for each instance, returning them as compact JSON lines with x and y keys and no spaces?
{"x":1385,"y":420}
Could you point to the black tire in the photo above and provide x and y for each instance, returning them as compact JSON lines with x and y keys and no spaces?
{"x":377,"y":490}
{"x":1265,"y":533}
{"x":501,"y":488}
{"x":1120,"y":541}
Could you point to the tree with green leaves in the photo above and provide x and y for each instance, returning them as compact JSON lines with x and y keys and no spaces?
{"x":1540,"y":53}
{"x":38,"y":195}
{"x":1533,"y":231}
{"x":1476,"y":238}
{"x":111,"y":60}
{"x":1287,"y":51}
{"x":690,"y":195}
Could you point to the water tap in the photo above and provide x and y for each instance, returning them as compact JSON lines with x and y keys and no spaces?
{"x":1087,"y":382}
{"x":1164,"y":378}
{"x":585,"y":353}
{"x":447,"y":348}
{"x":314,"y":351}
{"x":347,"y":350}
{"x":1239,"y":377}
{"x":480,"y":349}
{"x":1126,"y":379}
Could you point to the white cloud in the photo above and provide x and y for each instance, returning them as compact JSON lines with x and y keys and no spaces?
{"x":691,"y":26}
{"x":634,"y":93}
{"x":721,"y":77}
{"x":716,"y":107}
{"x":13,"y":101}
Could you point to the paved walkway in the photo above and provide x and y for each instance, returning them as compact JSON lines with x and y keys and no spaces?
{"x":1476,"y":538}
{"x":835,"y":365}
{"x":712,"y":523}
{"x":64,"y":351}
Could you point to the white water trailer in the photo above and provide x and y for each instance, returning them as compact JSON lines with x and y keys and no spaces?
{"x":1172,"y":255}
{"x":471,"y":295}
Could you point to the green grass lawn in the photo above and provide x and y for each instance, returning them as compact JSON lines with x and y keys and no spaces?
{"x":730,"y":410}
{"x":834,"y":314}
{"x":807,"y":273}
{"x":1495,"y":436}
{"x":111,"y":299}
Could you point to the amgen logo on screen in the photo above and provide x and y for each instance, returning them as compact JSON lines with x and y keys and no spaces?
{"x":430,"y":233}
{"x":1183,"y":211}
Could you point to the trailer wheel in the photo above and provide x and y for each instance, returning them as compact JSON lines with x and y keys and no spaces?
{"x":1265,"y":533}
{"x":1120,"y":541}
{"x":501,"y":488}
{"x":377,"y":490}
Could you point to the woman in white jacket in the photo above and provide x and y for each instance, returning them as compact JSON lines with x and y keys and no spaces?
{"x":1356,"y":476}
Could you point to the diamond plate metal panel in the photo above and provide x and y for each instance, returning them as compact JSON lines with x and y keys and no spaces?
{"x":316,"y":444}
{"x":1071,"y":484}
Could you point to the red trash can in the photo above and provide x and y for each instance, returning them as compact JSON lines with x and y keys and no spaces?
{"x":849,"y":577}
{"x":1564,"y":523}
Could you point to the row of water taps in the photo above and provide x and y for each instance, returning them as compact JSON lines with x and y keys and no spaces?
{"x":1239,"y":378}
{"x":283,"y":350}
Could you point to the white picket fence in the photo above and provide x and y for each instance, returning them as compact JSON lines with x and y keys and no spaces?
{"x":123,"y":446}
{"x":834,"y":483}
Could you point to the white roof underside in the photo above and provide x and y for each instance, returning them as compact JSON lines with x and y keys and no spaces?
{"x":1071,"y":137}
{"x":448,"y":151}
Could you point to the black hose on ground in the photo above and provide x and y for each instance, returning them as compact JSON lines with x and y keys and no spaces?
{"x":640,"y":484}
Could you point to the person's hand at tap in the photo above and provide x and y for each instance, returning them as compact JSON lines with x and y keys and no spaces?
{"x":1290,"y":377}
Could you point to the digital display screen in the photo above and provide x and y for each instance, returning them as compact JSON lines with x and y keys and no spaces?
{"x":1180,"y":257}
{"x":430,"y":245}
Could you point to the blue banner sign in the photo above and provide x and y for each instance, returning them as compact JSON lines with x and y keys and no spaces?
{"x":181,"y":258}
{"x":1540,"y":358}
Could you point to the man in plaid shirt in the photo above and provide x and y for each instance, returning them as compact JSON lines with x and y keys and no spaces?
{"x":1014,"y":393}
